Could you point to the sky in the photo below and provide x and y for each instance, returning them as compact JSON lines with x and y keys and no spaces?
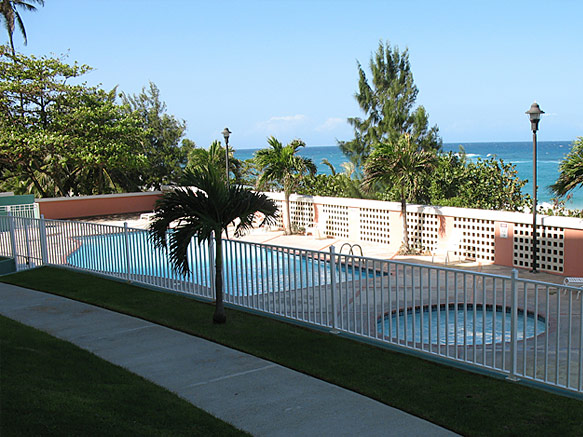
{"x":289,"y":68}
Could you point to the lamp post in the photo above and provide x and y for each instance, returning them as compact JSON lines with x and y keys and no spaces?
{"x":226,"y":132}
{"x":534,"y":114}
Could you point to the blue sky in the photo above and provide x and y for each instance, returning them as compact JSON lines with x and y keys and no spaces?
{"x":288,"y":68}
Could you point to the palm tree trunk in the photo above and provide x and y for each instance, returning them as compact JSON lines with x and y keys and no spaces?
{"x":405,"y":245}
{"x":287,"y":215}
{"x":219,"y":316}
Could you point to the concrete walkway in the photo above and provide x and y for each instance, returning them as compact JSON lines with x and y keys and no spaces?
{"x":255,"y":395}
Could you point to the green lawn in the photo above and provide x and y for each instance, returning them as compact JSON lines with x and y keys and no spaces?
{"x":465,"y":402}
{"x":51,"y":387}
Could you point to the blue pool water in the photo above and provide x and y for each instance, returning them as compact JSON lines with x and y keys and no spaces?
{"x":281,"y":270}
{"x":443,"y":323}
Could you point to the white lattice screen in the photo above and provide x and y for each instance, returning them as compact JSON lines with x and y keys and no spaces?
{"x":423,"y":230}
{"x":279,"y":205}
{"x":477,"y":240}
{"x":302,"y":213}
{"x":549,"y":247}
{"x":336,"y":220}
{"x":374,"y":225}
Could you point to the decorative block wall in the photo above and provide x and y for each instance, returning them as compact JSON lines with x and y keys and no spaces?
{"x":337,"y":224}
{"x":302,"y":213}
{"x":550,"y":247}
{"x":423,"y":231}
{"x":279,"y":205}
{"x":478,"y":238}
{"x":374,"y":225}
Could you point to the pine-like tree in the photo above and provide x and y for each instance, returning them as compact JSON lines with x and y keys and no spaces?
{"x":388,"y":103}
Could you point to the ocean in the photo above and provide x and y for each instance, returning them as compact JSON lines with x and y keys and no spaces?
{"x":549,"y":155}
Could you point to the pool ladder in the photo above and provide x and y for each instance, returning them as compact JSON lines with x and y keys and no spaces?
{"x":351,"y":248}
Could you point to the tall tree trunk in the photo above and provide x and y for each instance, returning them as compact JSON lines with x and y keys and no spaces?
{"x":219,"y":316}
{"x":287,"y":215}
{"x":405,"y":242}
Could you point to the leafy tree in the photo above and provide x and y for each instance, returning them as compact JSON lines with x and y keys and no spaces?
{"x":58,"y":139}
{"x":11,"y":17}
{"x":404,"y":164}
{"x":388,"y":104}
{"x":282,"y":165}
{"x":333,"y":185}
{"x":571,"y":170}
{"x":164,"y":157}
{"x":215,"y":156}
{"x":485,"y":184}
{"x":205,"y":212}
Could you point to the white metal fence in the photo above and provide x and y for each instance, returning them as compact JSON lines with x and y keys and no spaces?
{"x":525,"y":329}
{"x":30,"y":210}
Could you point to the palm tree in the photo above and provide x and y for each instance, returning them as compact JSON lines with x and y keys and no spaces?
{"x":9,"y":11}
{"x":571,"y":170}
{"x":282,"y":165}
{"x":215,"y":156}
{"x":404,"y":164}
{"x":204,"y":209}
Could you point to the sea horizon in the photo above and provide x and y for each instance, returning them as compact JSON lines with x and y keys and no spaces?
{"x":518,"y":153}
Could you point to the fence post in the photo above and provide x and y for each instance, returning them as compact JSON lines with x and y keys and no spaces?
{"x":127,"y":244}
{"x":25,"y":222}
{"x":513,"y":325}
{"x":12,"y":235}
{"x":333,"y":289}
{"x":42,"y":230}
{"x":212,"y":269}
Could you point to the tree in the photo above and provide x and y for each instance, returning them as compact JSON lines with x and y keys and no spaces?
{"x":11,"y":16}
{"x":404,"y":164}
{"x":388,"y":103}
{"x":58,"y":139}
{"x":215,"y":156}
{"x":282,"y":165}
{"x":164,"y":156}
{"x":571,"y":170}
{"x":486,"y":184}
{"x":205,"y":211}
{"x":333,"y":185}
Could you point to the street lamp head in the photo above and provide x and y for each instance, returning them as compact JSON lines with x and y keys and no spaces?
{"x":226,"y":132}
{"x":534,"y":113}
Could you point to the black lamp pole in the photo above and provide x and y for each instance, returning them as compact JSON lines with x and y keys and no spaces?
{"x":534,"y":113}
{"x":226,"y":133}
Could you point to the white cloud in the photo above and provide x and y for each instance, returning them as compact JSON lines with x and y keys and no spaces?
{"x":287,"y":118}
{"x":330,"y":124}
{"x":280,"y":124}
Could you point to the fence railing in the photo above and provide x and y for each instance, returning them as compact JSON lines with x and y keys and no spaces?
{"x":30,"y":210}
{"x":521,"y":328}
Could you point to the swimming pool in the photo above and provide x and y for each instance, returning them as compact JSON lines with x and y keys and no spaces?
{"x":247,"y":268}
{"x":447,"y":326}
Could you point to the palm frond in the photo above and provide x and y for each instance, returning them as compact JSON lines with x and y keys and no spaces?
{"x":205,"y":208}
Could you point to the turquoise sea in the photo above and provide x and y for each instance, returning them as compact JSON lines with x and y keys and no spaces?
{"x":549,"y":155}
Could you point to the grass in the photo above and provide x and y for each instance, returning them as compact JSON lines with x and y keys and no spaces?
{"x":51,"y":387}
{"x":464,"y":402}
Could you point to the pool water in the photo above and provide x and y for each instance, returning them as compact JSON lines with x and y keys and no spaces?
{"x":491,"y":326}
{"x":247,"y":269}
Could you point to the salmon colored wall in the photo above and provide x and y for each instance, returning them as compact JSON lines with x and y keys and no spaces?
{"x":503,"y":247}
{"x":77,"y":207}
{"x":573,"y":255}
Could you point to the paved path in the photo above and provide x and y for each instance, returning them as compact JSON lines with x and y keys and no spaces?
{"x":255,"y":395}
